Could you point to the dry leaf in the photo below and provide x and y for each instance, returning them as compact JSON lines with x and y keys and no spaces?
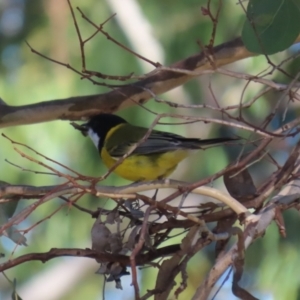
{"x":240,"y":185}
{"x":100,"y":237}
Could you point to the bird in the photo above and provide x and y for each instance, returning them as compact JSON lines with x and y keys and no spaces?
{"x":150,"y":159}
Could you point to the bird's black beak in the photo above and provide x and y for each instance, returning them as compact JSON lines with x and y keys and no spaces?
{"x":83,"y":128}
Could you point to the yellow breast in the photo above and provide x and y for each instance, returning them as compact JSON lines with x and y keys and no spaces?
{"x":145,"y":167}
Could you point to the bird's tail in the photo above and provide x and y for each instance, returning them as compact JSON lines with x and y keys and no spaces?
{"x":192,"y":143}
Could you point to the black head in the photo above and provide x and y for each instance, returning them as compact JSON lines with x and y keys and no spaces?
{"x":102,"y":123}
{"x":98,"y":126}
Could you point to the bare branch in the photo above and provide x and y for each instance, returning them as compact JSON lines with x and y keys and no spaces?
{"x":158,"y":81}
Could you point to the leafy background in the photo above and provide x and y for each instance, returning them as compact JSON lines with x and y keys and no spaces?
{"x":164,"y":31}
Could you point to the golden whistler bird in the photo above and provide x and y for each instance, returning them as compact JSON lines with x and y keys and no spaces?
{"x":154,"y":158}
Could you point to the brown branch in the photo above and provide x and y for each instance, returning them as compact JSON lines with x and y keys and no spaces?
{"x":158,"y":81}
{"x":100,"y":29}
{"x":254,"y":229}
{"x":76,"y":252}
{"x":136,"y":250}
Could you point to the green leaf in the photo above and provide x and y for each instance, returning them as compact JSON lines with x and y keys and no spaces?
{"x":297,"y":3}
{"x":271,"y":25}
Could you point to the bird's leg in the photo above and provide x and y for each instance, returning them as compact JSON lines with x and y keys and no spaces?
{"x":155,"y":194}
{"x":183,"y":197}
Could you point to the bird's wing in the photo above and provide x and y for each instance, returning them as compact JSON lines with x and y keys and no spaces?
{"x":159,"y":142}
{"x":126,"y":137}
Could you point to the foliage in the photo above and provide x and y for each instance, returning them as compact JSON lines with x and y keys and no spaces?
{"x":271,"y":26}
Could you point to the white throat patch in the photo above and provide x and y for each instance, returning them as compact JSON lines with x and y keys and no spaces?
{"x":94,"y":137}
